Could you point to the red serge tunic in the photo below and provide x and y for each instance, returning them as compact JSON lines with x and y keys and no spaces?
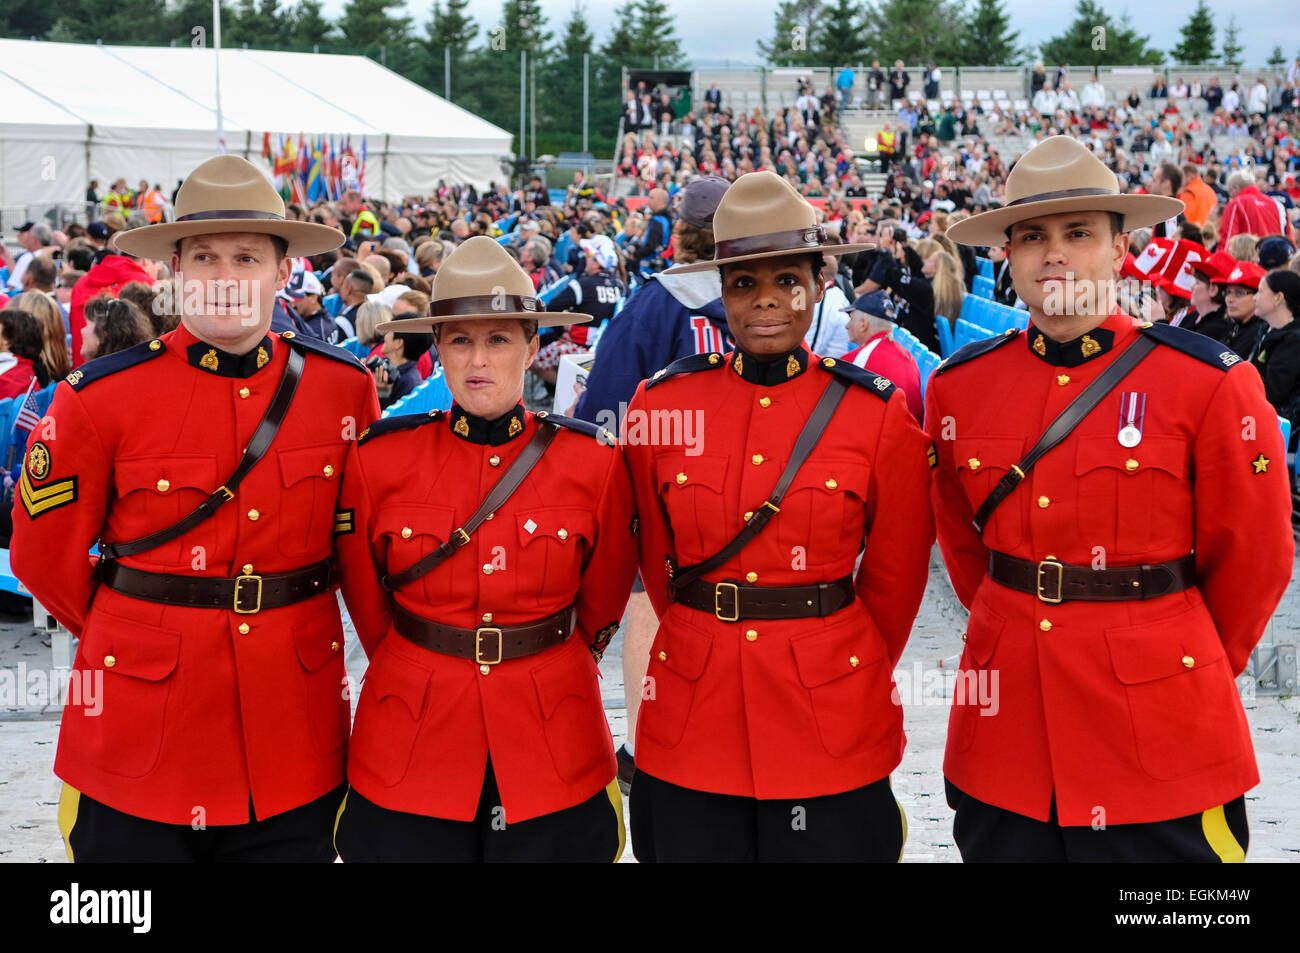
{"x":768,"y":708}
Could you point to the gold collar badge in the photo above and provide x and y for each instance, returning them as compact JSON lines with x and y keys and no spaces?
{"x":792,"y":366}
{"x":209,"y":361}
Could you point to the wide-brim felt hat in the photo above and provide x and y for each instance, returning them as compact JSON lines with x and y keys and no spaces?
{"x":224,"y":195}
{"x":480,"y":280}
{"x":1056,"y":176}
{"x":762,"y":216}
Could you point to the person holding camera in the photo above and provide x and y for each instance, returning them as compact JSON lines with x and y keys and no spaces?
{"x":396,"y":370}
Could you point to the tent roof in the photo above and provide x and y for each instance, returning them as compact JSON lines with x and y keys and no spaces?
{"x":261,"y":91}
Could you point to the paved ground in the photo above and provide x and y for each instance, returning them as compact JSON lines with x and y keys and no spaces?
{"x":29,"y":791}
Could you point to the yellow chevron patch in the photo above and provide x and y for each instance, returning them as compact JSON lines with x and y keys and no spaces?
{"x":343,"y":522}
{"x":38,"y":501}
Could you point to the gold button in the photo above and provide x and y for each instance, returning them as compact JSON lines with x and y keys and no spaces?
{"x":109,"y":661}
{"x":287,"y":335}
{"x":963,"y":636}
{"x":243,"y":628}
{"x":1188,"y":661}
{"x":487,"y":616}
{"x":681,"y":478}
{"x":853,"y":660}
{"x":831,"y":484}
{"x":756,"y":459}
{"x":155,"y":345}
{"x":244,"y":392}
{"x":973,"y":464}
{"x":1043,"y":502}
{"x":247,"y":569}
{"x":751,"y":577}
{"x":765,"y":402}
{"x":1130,"y":464}
{"x":163,"y":486}
{"x":1062,"y":379}
{"x":663,"y":656}
{"x":334,"y":646}
{"x":751,"y":635}
{"x":828,"y":362}
{"x":1045,"y":625}
{"x":714,"y":358}
{"x":484,"y":669}
{"x":494,"y":461}
{"x":749,"y":514}
{"x":406,"y":532}
{"x":253,"y":514}
{"x":562,"y":533}
{"x":328,"y":471}
{"x":487,"y":569}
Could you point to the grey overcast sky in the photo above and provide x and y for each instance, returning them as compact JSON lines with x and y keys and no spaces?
{"x":722,"y":29}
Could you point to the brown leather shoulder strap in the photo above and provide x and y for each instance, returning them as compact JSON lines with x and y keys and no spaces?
{"x":1065,"y":422}
{"x":499,"y":493}
{"x":266,"y":430}
{"x":803,"y":445}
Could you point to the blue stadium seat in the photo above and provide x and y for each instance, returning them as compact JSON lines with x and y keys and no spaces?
{"x":984,"y":267}
{"x":431,"y":395}
{"x":941,"y":325}
{"x":983,"y":287}
{"x":356,"y":347}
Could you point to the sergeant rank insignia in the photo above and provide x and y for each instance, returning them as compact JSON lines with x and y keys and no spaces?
{"x":39,"y":500}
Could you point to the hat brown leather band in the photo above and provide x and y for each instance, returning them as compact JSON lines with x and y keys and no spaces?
{"x":812,"y":238}
{"x":484,"y":304}
{"x":244,"y":595}
{"x":730,"y":601}
{"x":1061,"y":194}
{"x":1052,"y":581}
{"x":487,"y":644}
{"x":230,"y":213}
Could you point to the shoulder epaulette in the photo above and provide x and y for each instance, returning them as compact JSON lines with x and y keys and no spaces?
{"x":1189,"y":342}
{"x":101,"y":367}
{"x":599,"y":434}
{"x":397,"y":422}
{"x":882,"y":387}
{"x":342,"y":355}
{"x":686,"y":365}
{"x":975,"y":349}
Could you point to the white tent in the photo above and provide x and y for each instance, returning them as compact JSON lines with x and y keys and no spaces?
{"x":76,"y":112}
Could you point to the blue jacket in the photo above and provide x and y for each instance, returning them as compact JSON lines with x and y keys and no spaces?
{"x":668,"y":317}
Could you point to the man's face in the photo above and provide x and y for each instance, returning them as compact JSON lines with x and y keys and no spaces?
{"x":769,"y":302}
{"x":228,"y":287}
{"x":1048,"y":253}
{"x":29,"y":240}
{"x":307,"y":305}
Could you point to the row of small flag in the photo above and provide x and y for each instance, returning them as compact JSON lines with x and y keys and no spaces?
{"x":319,"y":168}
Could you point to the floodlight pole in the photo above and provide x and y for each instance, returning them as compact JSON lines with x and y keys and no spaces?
{"x":216,"y":59}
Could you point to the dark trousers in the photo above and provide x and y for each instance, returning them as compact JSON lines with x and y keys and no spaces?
{"x":985,"y":833}
{"x":675,"y":824}
{"x":93,"y":832}
{"x":590,"y":832}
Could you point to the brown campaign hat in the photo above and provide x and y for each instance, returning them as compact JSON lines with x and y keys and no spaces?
{"x":480,"y":280}
{"x":1061,"y":175}
{"x":223,"y":195}
{"x":762,"y":216}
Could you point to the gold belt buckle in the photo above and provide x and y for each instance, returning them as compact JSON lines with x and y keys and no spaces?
{"x":460,"y":537}
{"x":478,"y":646}
{"x":1060,"y":579}
{"x":735,"y":602}
{"x":239,"y":581}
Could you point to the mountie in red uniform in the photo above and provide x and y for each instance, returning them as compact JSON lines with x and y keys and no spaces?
{"x":429,"y":723}
{"x":1127,"y":705}
{"x":202,"y":707}
{"x":792,"y":707}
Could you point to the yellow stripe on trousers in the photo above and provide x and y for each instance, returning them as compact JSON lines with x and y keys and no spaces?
{"x":69,"y":801}
{"x":334,"y":838}
{"x":1219,"y":836}
{"x":616,"y":801}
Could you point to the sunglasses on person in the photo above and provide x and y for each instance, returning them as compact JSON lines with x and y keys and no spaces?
{"x":400,"y":315}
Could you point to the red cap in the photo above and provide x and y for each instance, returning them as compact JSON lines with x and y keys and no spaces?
{"x":1245,"y":273}
{"x":1151,"y":260}
{"x":1216,"y":265}
{"x":1176,"y":274}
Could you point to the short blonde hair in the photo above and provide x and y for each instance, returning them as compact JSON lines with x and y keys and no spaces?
{"x":370,"y":315}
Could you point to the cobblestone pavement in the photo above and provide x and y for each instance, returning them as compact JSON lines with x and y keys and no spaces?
{"x":29,"y":792}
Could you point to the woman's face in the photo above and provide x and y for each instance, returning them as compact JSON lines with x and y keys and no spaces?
{"x":1268,"y":304}
{"x":929,"y":265}
{"x":1202,"y":300}
{"x":1241,"y":302}
{"x":89,"y":340}
{"x":484,"y":362}
{"x":769,"y":302}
